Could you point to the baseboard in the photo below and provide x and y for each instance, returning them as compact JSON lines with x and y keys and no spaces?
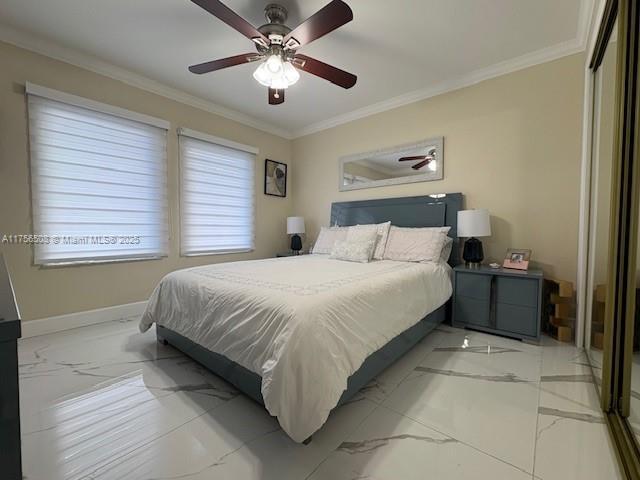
{"x":33,"y":328}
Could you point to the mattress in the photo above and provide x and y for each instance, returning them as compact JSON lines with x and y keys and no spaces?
{"x":303,"y":324}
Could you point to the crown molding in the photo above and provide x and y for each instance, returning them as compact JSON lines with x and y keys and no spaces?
{"x":43,"y":47}
{"x":509,"y":66}
{"x":49,"y":49}
{"x":585,"y":18}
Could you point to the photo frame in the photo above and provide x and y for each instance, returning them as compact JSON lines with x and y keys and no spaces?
{"x":517,"y":259}
{"x":275,"y":178}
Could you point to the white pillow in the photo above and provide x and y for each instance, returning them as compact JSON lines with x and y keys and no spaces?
{"x":446,"y":249}
{"x":415,"y":244}
{"x":382,"y":233}
{"x":353,"y":251}
{"x":327,"y":237}
{"x":363,"y":233}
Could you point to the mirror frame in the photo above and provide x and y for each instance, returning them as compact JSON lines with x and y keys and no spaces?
{"x":426,"y":177}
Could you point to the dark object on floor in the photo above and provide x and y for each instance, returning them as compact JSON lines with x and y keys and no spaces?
{"x":10,"y":455}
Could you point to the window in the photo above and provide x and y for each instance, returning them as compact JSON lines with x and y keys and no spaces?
{"x":217,"y":194}
{"x":98,"y":180}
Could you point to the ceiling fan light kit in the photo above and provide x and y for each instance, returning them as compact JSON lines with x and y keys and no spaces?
{"x":274,"y":73}
{"x":277,"y":46}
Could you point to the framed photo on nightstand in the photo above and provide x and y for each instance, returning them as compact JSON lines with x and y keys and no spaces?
{"x":517,"y":259}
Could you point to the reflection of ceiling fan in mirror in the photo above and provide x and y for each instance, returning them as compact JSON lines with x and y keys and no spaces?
{"x":277,"y":46}
{"x":424,"y":160}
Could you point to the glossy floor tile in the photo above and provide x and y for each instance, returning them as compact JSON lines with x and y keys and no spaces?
{"x":463,"y":391}
{"x":107,"y":402}
{"x":634,"y":402}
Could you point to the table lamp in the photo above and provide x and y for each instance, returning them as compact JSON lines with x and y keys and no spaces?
{"x":295,"y":226}
{"x":472,"y":224}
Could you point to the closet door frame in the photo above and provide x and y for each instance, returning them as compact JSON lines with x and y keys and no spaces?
{"x":613,"y":12}
{"x":623,"y":233}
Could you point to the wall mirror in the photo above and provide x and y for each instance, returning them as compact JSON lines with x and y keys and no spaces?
{"x":415,"y":162}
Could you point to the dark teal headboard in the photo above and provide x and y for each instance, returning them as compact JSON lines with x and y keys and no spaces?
{"x":425,"y":211}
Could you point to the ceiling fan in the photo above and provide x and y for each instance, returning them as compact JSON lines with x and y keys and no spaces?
{"x":424,"y":159}
{"x":277,"y":46}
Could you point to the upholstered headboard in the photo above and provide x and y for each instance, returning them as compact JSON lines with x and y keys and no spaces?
{"x":425,"y":211}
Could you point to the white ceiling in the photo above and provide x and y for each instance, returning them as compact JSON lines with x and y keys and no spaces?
{"x":401,"y":51}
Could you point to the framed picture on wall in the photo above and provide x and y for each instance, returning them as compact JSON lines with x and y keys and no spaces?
{"x":275,"y":178}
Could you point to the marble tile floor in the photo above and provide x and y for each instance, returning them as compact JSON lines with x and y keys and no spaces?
{"x":107,"y":402}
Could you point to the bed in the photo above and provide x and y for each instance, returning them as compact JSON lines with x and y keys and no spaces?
{"x":301,"y":335}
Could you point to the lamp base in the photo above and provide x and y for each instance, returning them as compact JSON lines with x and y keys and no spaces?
{"x":472,"y":253}
{"x":296,"y":244}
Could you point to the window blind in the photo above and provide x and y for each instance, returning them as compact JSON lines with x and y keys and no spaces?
{"x":99,"y":184}
{"x":217,"y":197}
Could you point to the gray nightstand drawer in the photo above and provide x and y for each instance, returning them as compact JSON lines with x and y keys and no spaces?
{"x":473,"y":285}
{"x":517,"y":291}
{"x":472,"y":311}
{"x":517,"y":319}
{"x":498,"y":300}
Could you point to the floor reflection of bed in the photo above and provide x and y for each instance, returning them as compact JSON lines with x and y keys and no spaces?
{"x":595,"y":359}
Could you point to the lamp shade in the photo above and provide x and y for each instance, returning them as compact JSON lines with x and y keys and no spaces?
{"x":295,"y":225}
{"x":474,"y":223}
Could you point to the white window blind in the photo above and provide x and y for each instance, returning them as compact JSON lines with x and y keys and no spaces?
{"x":217,"y":195}
{"x":99,"y":183}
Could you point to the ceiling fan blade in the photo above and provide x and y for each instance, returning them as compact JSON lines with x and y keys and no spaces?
{"x":224,"y":63}
{"x":276,"y":97}
{"x":418,"y":166}
{"x":316,"y":67}
{"x":325,"y":20}
{"x":231,"y":18}
{"x":407,"y":159}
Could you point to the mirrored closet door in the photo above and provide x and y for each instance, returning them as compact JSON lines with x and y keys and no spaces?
{"x":628,"y":359}
{"x":602,"y":154}
{"x":631,"y":364}
{"x":612,"y":313}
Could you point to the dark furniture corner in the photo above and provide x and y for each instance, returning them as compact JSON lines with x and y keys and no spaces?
{"x":290,"y":254}
{"x":502,"y":301}
{"x":10,"y":455}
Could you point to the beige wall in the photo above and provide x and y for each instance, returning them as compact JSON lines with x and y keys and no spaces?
{"x":512,"y":145}
{"x":44,"y":292}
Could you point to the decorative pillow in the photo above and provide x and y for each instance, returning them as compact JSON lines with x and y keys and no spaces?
{"x":382,"y":233}
{"x":327,"y":237}
{"x":446,"y":249}
{"x":358,"y":233}
{"x":415,"y":244}
{"x":363,"y":233}
{"x":353,"y":251}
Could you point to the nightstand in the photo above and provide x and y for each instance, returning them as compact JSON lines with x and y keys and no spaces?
{"x":290,"y":254}
{"x":503,"y":301}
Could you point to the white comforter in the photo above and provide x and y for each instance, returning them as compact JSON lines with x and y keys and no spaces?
{"x":304,"y":324}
